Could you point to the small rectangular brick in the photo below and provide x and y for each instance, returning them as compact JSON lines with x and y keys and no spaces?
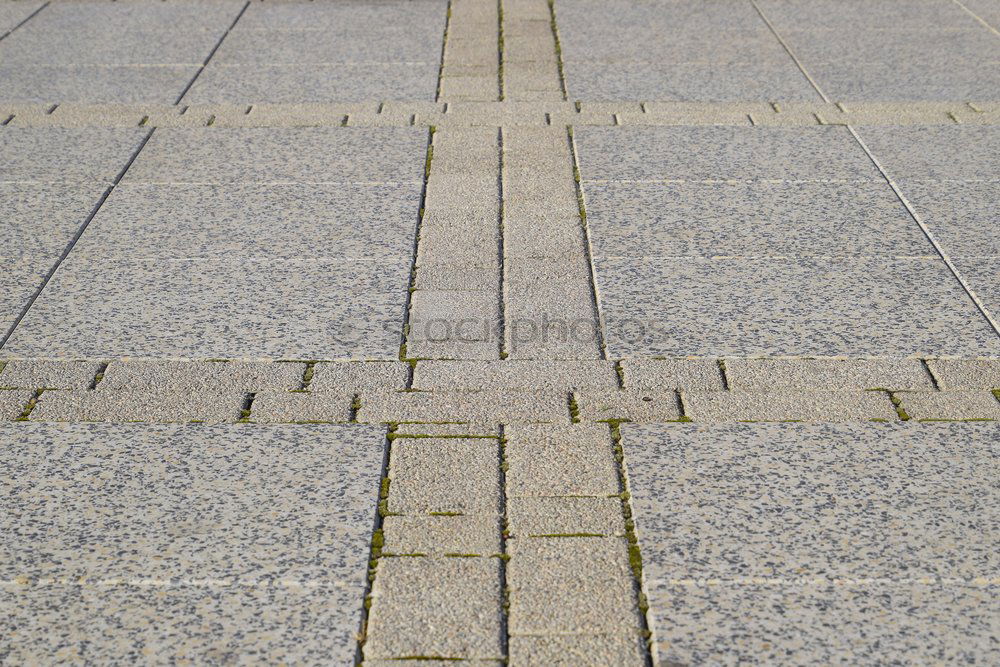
{"x":357,"y":375}
{"x":140,"y":406}
{"x":576,"y":460}
{"x":444,"y":475}
{"x":212,"y":376}
{"x":515,"y":374}
{"x":626,"y":649}
{"x":13,"y":402}
{"x":40,"y":373}
{"x":491,"y":407}
{"x":730,"y":406}
{"x":980,"y":404}
{"x":301,"y":406}
{"x":667,"y":374}
{"x":440,"y":535}
{"x":446,"y":430}
{"x":565,"y":585}
{"x":826,"y":374}
{"x":963,"y":373}
{"x":637,"y":406}
{"x":533,"y":517}
{"x":442,"y":607}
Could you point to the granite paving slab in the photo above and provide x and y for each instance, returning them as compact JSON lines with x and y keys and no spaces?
{"x":949,"y":153}
{"x":958,"y":48}
{"x":750,"y":533}
{"x":106,"y":46}
{"x":12,"y":14}
{"x":903,"y":81}
{"x":124,"y":17}
{"x":101,"y":84}
{"x":960,"y":215}
{"x":391,"y":43}
{"x":40,"y":219}
{"x":66,"y":155}
{"x":19,"y":280}
{"x":980,"y":273}
{"x":345,"y":15}
{"x":846,"y":15}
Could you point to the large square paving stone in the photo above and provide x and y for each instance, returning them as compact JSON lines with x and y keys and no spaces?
{"x":788,"y":306}
{"x":124,"y":540}
{"x":40,"y":219}
{"x":378,"y":44}
{"x":356,"y":16}
{"x":282,"y":155}
{"x":124,"y":17}
{"x":962,"y":216}
{"x":11,"y":14}
{"x":34,"y":46}
{"x":844,"y":16}
{"x":18,"y":282}
{"x":216,"y":308}
{"x":721,"y":153}
{"x":980,"y":273}
{"x":939,"y":152}
{"x":97,"y":84}
{"x":818,"y":543}
{"x":66,"y":155}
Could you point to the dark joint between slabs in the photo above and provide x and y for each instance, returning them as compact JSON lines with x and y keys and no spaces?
{"x":212,"y":53}
{"x":377,"y":542}
{"x":352,"y":416}
{"x":428,"y":160}
{"x":99,"y":375}
{"x":444,"y":46}
{"x":930,"y":374}
{"x":634,"y":554}
{"x":502,"y":288}
{"x":587,"y":248}
{"x":76,"y":237}
{"x":28,"y":18}
{"x":307,"y":376}
{"x":504,"y":556}
{"x":30,"y":405}
{"x":681,"y":409}
{"x":791,"y":54}
{"x":722,"y":374}
{"x":558,"y":46}
{"x":247,"y":407}
{"x":620,"y":373}
{"x":574,"y":408}
{"x":500,"y":89}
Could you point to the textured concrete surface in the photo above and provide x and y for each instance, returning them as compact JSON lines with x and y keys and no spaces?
{"x":518,"y":245}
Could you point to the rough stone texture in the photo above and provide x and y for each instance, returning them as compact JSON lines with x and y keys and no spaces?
{"x":301,"y":406}
{"x":66,"y":155}
{"x":667,"y":374}
{"x":965,"y":373}
{"x":446,"y":430}
{"x":826,"y":374}
{"x":195,"y":376}
{"x":631,"y":405}
{"x":359,"y":376}
{"x":981,"y":404}
{"x":536,"y":375}
{"x":441,"y":535}
{"x":140,"y":406}
{"x":483,"y":407}
{"x":540,"y":516}
{"x":570,"y":585}
{"x":46,"y":374}
{"x":444,"y":475}
{"x":435,"y":607}
{"x":13,"y":402}
{"x":830,"y":406}
{"x":576,"y":460}
{"x":578,"y":650}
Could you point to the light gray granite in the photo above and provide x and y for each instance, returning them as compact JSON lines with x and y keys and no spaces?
{"x":844,"y":16}
{"x":575,"y":460}
{"x":810,"y":406}
{"x":441,"y":535}
{"x":359,"y":375}
{"x":721,"y":153}
{"x":66,"y":155}
{"x":444,"y":475}
{"x":100,"y":84}
{"x":288,"y":221}
{"x":185,"y":376}
{"x":126,"y":17}
{"x":11,"y":14}
{"x":47,"y":374}
{"x":875,"y":82}
{"x":645,"y":44}
{"x":826,"y":374}
{"x":298,"y":309}
{"x":941,"y":152}
{"x":961,"y":216}
{"x":710,"y":219}
{"x":18,"y":282}
{"x":277,"y":406}
{"x":966,"y":373}
{"x":39,"y":220}
{"x":138,"y":406}
{"x":347,"y":16}
{"x":980,"y":273}
{"x":346,"y":82}
{"x":587,"y":19}
{"x":33,"y":45}
{"x":547,"y":375}
{"x":756,"y":531}
{"x":282,"y":155}
{"x":377,"y":44}
{"x":929,"y":47}
{"x":796,"y":307}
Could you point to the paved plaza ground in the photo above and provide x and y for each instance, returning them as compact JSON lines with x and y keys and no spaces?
{"x":585,"y":332}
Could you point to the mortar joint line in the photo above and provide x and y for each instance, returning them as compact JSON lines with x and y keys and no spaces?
{"x":76,"y":237}
{"x":587,"y":246}
{"x":927,"y":232}
{"x":930,"y":374}
{"x":977,"y":17}
{"x":307,"y":376}
{"x":102,"y":368}
{"x":444,"y":47}
{"x":407,"y":311}
{"x":500,"y":49}
{"x":558,"y":46}
{"x":247,"y":408}
{"x":504,"y":555}
{"x":723,"y":375}
{"x":212,"y":52}
{"x":501,"y":212}
{"x":790,"y":52}
{"x":25,"y":20}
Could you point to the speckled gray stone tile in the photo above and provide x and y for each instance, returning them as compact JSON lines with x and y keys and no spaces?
{"x":185,"y":16}
{"x":689,"y":82}
{"x":645,"y":44}
{"x":446,"y":429}
{"x":815,"y":374}
{"x":359,"y":375}
{"x":42,"y":46}
{"x":940,"y":152}
{"x":282,"y":155}
{"x":18,"y":282}
{"x":44,"y":373}
{"x":548,"y":375}
{"x":541,"y":516}
{"x":587,"y":19}
{"x":125,"y":84}
{"x":847,"y":15}
{"x":667,"y":374}
{"x":66,"y":155}
{"x":238,"y":503}
{"x":441,"y":535}
{"x":948,"y":405}
{"x":576,"y":460}
{"x":251,"y":220}
{"x":958,"y":48}
{"x":183,"y":376}
{"x":816,"y":406}
{"x":12,"y":13}
{"x":298,"y":309}
{"x":980,"y":273}
{"x":986,"y":10}
{"x":570,"y":585}
{"x":721,"y":153}
{"x":39,"y":220}
{"x":138,"y":406}
{"x":796,"y":307}
{"x":378,"y":44}
{"x":278,"y":406}
{"x":345,"y":82}
{"x":126,"y":622}
{"x":966,"y":373}
{"x":352,"y":16}
{"x":625,"y":649}
{"x":902,"y":81}
{"x":829,"y":219}
{"x":444,"y":475}
{"x":13,"y":402}
{"x":961,"y":216}
{"x":445,"y":607}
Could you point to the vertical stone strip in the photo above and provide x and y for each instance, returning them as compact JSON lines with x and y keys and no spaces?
{"x":530,"y":56}
{"x":455,"y":308}
{"x":470,"y":69}
{"x":550,"y":306}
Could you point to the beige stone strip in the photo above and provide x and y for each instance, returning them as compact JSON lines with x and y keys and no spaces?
{"x":471,"y":62}
{"x":530,"y":57}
